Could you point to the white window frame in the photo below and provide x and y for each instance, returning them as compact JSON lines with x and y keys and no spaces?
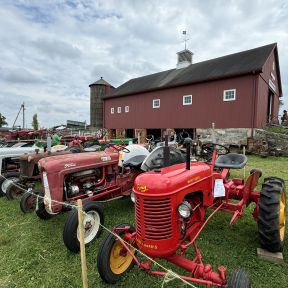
{"x":154,"y":103}
{"x":112,"y":110}
{"x":187,"y":97}
{"x":229,"y":99}
{"x":119,"y":110}
{"x":126,"y":109}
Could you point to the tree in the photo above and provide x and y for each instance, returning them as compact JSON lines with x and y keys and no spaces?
{"x":35,"y":123}
{"x":3,"y":121}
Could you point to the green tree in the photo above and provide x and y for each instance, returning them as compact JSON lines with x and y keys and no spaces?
{"x":35,"y":123}
{"x":3,"y":121}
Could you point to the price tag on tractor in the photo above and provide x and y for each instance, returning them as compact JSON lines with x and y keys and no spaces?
{"x":219,"y":189}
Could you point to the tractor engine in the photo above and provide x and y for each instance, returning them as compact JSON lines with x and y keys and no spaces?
{"x":83,"y":182}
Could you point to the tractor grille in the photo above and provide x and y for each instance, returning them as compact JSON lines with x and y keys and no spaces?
{"x":157,"y":222}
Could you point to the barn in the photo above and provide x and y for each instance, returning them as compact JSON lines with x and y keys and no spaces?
{"x":234,"y":94}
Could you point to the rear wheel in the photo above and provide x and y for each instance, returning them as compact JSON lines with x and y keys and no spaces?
{"x":113,"y":260}
{"x":272,"y":214}
{"x":41,"y":210}
{"x":239,"y":279}
{"x":92,"y":218}
{"x":6,"y":180}
{"x":28,"y":201}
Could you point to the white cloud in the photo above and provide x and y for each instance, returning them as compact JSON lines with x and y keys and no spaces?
{"x":52,"y":50}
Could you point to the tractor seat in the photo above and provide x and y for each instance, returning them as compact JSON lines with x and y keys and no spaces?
{"x":231,"y":161}
{"x":135,"y":161}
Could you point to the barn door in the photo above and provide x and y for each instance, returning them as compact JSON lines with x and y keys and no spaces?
{"x":270,"y":107}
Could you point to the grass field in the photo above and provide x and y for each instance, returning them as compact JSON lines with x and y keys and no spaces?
{"x":32,"y":253}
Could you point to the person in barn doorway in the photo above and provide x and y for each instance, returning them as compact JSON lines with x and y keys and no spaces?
{"x":284,"y":118}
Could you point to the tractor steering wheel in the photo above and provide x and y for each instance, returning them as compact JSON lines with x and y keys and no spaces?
{"x":118,"y":147}
{"x":208,"y":148}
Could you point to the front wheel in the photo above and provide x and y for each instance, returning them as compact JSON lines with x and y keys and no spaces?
{"x":239,"y":279}
{"x":6,"y":180}
{"x":272,"y":214}
{"x":113,"y":260}
{"x":40,"y":208}
{"x":28,"y":201}
{"x":93,"y":218}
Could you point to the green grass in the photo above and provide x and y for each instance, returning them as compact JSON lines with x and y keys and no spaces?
{"x":32,"y":253}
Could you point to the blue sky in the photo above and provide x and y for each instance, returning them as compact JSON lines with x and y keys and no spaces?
{"x":52,"y":50}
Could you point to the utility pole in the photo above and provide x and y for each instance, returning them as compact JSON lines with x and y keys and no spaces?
{"x":22,"y":106}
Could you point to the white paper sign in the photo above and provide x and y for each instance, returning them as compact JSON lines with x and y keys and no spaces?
{"x":219,"y":189}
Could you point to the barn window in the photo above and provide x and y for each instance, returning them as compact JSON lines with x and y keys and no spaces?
{"x":229,"y":95}
{"x":156,"y":103}
{"x":187,"y":100}
{"x":119,"y":109}
{"x":112,"y":110}
{"x":126,"y":109}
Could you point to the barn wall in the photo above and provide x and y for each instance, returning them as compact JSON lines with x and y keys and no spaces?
{"x":207,"y":107}
{"x":263,"y":92}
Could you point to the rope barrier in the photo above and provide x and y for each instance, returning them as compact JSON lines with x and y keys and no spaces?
{"x":169,"y":276}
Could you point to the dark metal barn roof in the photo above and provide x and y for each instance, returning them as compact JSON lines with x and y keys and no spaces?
{"x":246,"y":62}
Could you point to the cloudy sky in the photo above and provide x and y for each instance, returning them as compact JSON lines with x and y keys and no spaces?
{"x":50,"y":51}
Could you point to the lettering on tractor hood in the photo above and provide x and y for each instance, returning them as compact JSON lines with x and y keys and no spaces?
{"x":69,"y":165}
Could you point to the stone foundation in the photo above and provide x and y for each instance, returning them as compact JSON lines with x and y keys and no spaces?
{"x":234,"y":136}
{"x":276,"y":142}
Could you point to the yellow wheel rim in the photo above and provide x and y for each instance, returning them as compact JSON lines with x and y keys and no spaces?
{"x":120,"y":259}
{"x":282,"y":215}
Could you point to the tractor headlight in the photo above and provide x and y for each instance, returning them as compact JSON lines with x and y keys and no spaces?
{"x":185,"y":209}
{"x":132,"y":196}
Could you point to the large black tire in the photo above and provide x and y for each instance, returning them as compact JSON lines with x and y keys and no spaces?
{"x":28,"y":201}
{"x":106,"y":270}
{"x":95,"y":214}
{"x":239,"y":279}
{"x":41,"y":211}
{"x":272,"y":214}
{"x":4,"y":178}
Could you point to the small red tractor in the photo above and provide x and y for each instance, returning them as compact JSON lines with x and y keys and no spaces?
{"x":171,"y":211}
{"x":92,"y":176}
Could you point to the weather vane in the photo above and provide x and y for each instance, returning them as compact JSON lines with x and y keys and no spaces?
{"x":185,"y":37}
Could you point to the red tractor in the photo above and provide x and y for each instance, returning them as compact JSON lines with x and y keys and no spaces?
{"x":93,"y":176}
{"x":171,"y":211}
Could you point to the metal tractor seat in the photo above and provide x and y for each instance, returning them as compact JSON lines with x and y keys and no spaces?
{"x":231,"y":161}
{"x":135,"y":161}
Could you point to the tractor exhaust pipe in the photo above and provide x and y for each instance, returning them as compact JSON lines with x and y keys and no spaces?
{"x":188,"y":142}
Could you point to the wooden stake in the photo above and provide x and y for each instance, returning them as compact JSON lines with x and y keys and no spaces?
{"x":244,"y":170}
{"x":82,"y":244}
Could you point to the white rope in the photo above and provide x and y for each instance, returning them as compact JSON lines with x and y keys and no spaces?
{"x":170,"y":275}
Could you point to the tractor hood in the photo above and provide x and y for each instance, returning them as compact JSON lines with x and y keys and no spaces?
{"x":171,"y":179}
{"x":61,"y":162}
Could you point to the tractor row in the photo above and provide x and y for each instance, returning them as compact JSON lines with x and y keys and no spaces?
{"x":174,"y":197}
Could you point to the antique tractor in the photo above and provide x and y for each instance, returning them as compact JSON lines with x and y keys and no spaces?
{"x":28,"y":176}
{"x":171,"y":211}
{"x":87,"y":176}
{"x":10,"y":164}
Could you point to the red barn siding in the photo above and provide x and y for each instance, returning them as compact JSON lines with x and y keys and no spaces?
{"x":207,"y":107}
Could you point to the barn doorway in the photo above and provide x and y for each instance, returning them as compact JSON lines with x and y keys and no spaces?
{"x":190,"y":132}
{"x":113,"y":133}
{"x":157,"y":133}
{"x":270,"y":107}
{"x":130,"y":133}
